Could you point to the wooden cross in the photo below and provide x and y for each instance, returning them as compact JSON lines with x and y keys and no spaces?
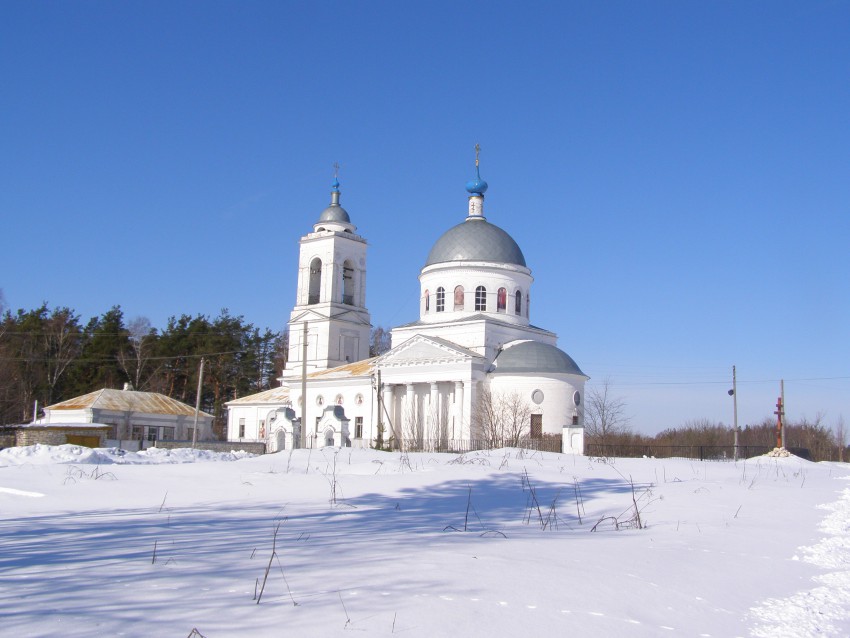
{"x":779,"y":412}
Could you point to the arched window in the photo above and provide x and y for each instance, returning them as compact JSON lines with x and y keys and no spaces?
{"x":315,"y":281}
{"x":518,"y":303}
{"x":501,"y":300}
{"x":348,"y":282}
{"x":458,"y":297}
{"x":441,"y":299}
{"x":427,"y":301}
{"x":481,"y":298}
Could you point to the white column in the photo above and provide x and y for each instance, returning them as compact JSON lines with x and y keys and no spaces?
{"x":433,"y":419}
{"x":457,"y":427}
{"x":388,"y":418}
{"x":408,"y":419}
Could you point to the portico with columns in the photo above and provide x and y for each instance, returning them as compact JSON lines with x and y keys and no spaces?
{"x":427,"y":389}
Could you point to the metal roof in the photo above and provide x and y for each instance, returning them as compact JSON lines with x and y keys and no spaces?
{"x":335,"y":213}
{"x":275,"y":395}
{"x":65,"y":426}
{"x":127,"y":401}
{"x":476,"y":239}
{"x":356,"y":369}
{"x":535,"y":357}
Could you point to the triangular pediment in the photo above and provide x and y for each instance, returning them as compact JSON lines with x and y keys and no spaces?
{"x":420,"y":350}
{"x":312,"y":314}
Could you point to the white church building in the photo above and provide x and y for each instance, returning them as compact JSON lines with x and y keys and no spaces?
{"x":470,"y":372}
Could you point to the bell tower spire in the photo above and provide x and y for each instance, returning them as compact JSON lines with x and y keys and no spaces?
{"x":476,"y":189}
{"x":331,"y":295}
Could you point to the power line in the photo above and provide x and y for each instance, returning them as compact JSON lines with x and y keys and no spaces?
{"x":115,"y":358}
{"x":726,"y":381}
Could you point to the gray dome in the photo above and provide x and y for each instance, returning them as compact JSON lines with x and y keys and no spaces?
{"x":335,"y":213}
{"x":533,"y":356}
{"x":476,"y":239}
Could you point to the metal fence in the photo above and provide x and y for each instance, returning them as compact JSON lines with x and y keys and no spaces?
{"x":701,"y":452}
{"x":462,"y":446}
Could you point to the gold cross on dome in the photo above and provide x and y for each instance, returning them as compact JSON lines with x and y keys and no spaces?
{"x":477,"y":151}
{"x":336,"y":170}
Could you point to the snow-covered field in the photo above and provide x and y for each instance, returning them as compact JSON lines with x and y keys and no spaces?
{"x":500,"y":543}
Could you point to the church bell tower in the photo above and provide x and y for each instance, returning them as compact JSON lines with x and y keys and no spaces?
{"x":331,"y":296}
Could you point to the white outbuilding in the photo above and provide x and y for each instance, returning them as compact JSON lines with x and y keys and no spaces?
{"x":135,"y":419}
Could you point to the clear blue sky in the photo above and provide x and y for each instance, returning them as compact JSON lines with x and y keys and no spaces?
{"x":676,"y":173}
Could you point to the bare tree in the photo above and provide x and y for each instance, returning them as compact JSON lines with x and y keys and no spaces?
{"x":379,"y":341}
{"x":604,"y":414}
{"x":62,"y":345}
{"x":412,"y":426}
{"x":502,"y":418}
{"x":136,"y":358}
{"x":515,"y":413}
{"x":485,"y":417}
{"x":438,"y":420}
{"x":840,"y":437}
{"x":3,"y":309}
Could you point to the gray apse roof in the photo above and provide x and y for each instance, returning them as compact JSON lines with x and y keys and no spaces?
{"x":533,"y":357}
{"x":476,"y":239}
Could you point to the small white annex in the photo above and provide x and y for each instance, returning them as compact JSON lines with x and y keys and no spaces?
{"x":471,"y":371}
{"x":135,"y":419}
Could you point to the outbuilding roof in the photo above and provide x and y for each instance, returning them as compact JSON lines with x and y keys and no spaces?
{"x":127,"y":401}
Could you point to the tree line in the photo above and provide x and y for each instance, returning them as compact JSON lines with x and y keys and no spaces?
{"x":607,"y":428}
{"x":48,"y":355}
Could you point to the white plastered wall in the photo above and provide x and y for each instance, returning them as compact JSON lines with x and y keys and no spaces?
{"x":471,"y":275}
{"x":331,"y":324}
{"x":557,"y":407}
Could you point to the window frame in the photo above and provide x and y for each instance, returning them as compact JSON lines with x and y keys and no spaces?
{"x":481,"y":299}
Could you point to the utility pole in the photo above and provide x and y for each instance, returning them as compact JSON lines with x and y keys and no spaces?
{"x":198,"y":403}
{"x":782,"y":394}
{"x":304,"y":387}
{"x":379,"y":442}
{"x":735,"y":409}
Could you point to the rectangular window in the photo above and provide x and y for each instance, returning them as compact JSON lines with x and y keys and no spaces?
{"x":166,"y":434}
{"x":113,"y":431}
{"x":241,"y":428}
{"x":536,"y":426}
{"x":441,"y":299}
{"x":137,"y":432}
{"x":190,"y":434}
{"x":151,"y":432}
{"x":358,"y":427}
